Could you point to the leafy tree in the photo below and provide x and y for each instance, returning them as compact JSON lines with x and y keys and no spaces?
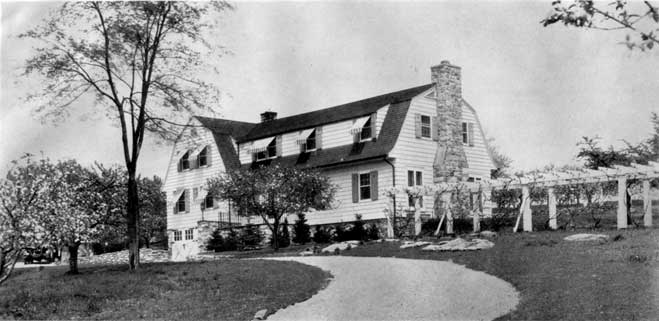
{"x":272,"y":191}
{"x":25,"y":194}
{"x":640,"y":19}
{"x":301,"y":230}
{"x":283,"y":238}
{"x":139,"y":60}
{"x":153,"y":209}
{"x":501,"y":161}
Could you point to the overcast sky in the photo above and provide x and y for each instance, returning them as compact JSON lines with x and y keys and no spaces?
{"x":537,"y":90}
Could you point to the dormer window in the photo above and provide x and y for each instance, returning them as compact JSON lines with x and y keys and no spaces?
{"x":362,"y":128}
{"x":184,"y":162}
{"x":202,"y":159}
{"x":307,"y":140}
{"x":264,"y":149}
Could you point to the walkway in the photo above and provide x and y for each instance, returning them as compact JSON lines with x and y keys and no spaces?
{"x":401,"y":289}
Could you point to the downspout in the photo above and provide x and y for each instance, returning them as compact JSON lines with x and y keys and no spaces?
{"x":393,"y":175}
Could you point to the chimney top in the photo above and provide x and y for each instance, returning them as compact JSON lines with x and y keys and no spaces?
{"x":268,"y":116}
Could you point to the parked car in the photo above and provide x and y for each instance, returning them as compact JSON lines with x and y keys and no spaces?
{"x":43,"y":255}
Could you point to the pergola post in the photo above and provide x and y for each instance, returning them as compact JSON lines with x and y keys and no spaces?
{"x":478,"y":211}
{"x":551,"y":203}
{"x":622,"y":199}
{"x":526,"y":209}
{"x":417,"y":216}
{"x":449,"y":216}
{"x":647,"y":204}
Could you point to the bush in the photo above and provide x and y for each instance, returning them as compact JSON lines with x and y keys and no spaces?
{"x":250,"y":236}
{"x":339,"y":234}
{"x":373,"y":232}
{"x":217,"y":243}
{"x":284,"y":238}
{"x":322,"y":235}
{"x":429,"y":227}
{"x":357,"y":232}
{"x":301,"y":230}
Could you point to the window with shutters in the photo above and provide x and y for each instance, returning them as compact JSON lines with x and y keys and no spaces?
{"x":189,"y":234}
{"x":209,"y":201}
{"x":465,"y":133}
{"x":180,"y":204}
{"x":367,"y":130}
{"x":177,"y":235}
{"x":310,"y":144}
{"x":425,"y":126}
{"x":202,"y":159}
{"x":184,"y":162}
{"x":364,"y":186}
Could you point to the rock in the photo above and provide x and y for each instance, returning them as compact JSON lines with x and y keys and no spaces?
{"x":260,"y":315}
{"x":340,"y":247}
{"x":587,"y":237}
{"x":488,"y":234}
{"x":460,"y":244}
{"x":307,"y":252}
{"x":408,"y":244}
{"x":391,"y":240}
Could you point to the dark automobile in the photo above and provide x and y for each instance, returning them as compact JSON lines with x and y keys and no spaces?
{"x":39,"y":256}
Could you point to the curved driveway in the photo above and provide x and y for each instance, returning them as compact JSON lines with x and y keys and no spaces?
{"x":374,"y":288}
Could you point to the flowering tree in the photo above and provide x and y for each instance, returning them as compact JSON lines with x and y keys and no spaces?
{"x":26,"y":196}
{"x":141,"y":61}
{"x":273,"y":191}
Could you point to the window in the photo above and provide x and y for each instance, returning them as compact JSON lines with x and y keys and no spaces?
{"x":465,"y":133}
{"x":414,"y":178}
{"x":208,"y":201}
{"x":425,"y":126}
{"x":311,"y":142}
{"x":189,"y":233}
{"x":364,"y":186}
{"x":366,"y":132}
{"x":270,"y":152}
{"x":202,"y":159}
{"x":180,"y":204}
{"x":184,"y":163}
{"x":177,"y":235}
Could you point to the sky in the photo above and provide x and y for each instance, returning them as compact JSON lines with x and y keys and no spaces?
{"x":537,"y":90}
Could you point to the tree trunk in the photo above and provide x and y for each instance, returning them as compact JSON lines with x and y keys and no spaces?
{"x":132,"y":222}
{"x":8,"y":260}
{"x":275,"y":235}
{"x":73,"y":257}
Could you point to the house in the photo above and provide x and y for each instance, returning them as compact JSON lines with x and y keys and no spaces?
{"x":410,"y":137}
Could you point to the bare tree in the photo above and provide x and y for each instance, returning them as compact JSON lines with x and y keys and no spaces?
{"x":140,"y":60}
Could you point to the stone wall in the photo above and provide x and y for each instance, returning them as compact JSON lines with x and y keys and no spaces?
{"x":450,"y":158}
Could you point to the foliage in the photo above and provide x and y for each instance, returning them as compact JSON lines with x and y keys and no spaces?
{"x":641,"y":19}
{"x":358,"y":232}
{"x":501,"y":161}
{"x":250,"y":237}
{"x":321,"y":235}
{"x":373,"y":232}
{"x":272,"y":191}
{"x":138,"y":59}
{"x":339,"y":234}
{"x":218,"y":243}
{"x":301,"y":230}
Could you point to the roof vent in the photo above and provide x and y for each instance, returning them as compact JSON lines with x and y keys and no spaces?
{"x":268,"y":116}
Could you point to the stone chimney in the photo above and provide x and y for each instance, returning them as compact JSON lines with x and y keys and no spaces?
{"x":450,"y":159}
{"x":268,"y":116}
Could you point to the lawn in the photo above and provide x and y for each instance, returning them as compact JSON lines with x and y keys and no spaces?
{"x":560,"y":280}
{"x":220,"y":290}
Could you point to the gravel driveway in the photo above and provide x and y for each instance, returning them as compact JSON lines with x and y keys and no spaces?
{"x":401,"y":289}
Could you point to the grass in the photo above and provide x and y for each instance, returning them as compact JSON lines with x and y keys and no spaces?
{"x":221,"y":290}
{"x":560,"y":280}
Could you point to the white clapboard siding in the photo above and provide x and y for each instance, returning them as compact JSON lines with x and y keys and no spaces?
{"x":478,"y":157}
{"x":333,"y":135}
{"x":189,"y":179}
{"x":344,"y":209}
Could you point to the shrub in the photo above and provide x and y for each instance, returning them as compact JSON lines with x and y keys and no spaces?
{"x":301,"y":230}
{"x":284,"y":238}
{"x":217,"y":243}
{"x":357,"y":232}
{"x":321,"y":235}
{"x":373,"y":232}
{"x":339,"y":234}
{"x":429,"y":227}
{"x":250,"y":236}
